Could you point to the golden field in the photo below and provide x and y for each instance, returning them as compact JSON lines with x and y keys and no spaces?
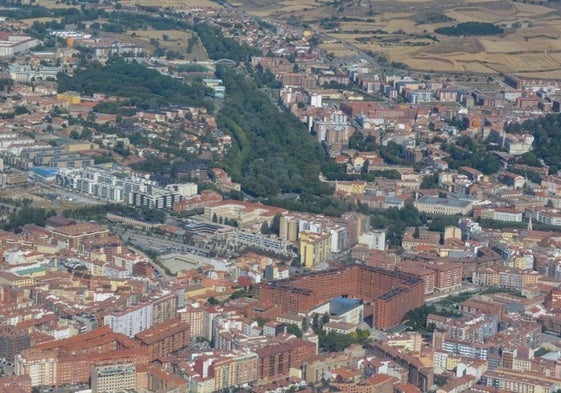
{"x":403,"y":31}
{"x":171,"y":3}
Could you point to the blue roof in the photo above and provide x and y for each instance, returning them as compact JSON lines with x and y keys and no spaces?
{"x":341,"y":305}
{"x":44,"y":171}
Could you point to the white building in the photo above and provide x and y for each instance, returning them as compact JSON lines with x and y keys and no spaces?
{"x":17,"y":43}
{"x":374,"y":240}
{"x":130,"y":321}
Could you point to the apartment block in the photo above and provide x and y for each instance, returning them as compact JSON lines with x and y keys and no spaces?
{"x":276,"y":359}
{"x":72,"y":236}
{"x":13,"y":341}
{"x":418,"y":374}
{"x":70,"y":360}
{"x":165,"y":338}
{"x":113,"y":378}
{"x":517,"y":382}
{"x":391,"y":293}
{"x":130,"y":321}
{"x":314,"y":248}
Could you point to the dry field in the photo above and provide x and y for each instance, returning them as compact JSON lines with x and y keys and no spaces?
{"x":530,"y":45}
{"x":176,"y":41}
{"x":171,"y":3}
{"x":52,"y":4}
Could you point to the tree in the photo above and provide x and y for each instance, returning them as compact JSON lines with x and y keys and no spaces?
{"x":416,"y":233}
{"x":260,"y":321}
{"x":305,"y":324}
{"x":265,"y":228}
{"x":316,"y":324}
{"x":275,"y":224}
{"x":325,"y":318}
{"x":292,"y":328}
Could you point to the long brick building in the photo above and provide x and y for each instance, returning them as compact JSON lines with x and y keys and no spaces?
{"x":70,"y":360}
{"x":391,"y":293}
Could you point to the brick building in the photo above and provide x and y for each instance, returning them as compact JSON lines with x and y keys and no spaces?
{"x":165,"y":338}
{"x":20,"y":382}
{"x":276,"y":359}
{"x":419,"y":375}
{"x":391,"y":293}
{"x":71,"y":360}
{"x":72,"y":236}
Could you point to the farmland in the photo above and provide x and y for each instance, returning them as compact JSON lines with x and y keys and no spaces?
{"x":403,"y":31}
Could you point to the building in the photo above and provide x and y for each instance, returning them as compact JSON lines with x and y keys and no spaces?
{"x":444,"y":206}
{"x":165,"y":338}
{"x":13,"y":341}
{"x":13,"y":43}
{"x":16,"y":384}
{"x":417,"y":373}
{"x":243,"y":213}
{"x":276,"y":359}
{"x":314,"y":248}
{"x":375,"y":240}
{"x":70,"y":360}
{"x":390,"y":293}
{"x":130,"y":321}
{"x":214,"y":372}
{"x":519,"y":382}
{"x":113,"y":377}
{"x":73,"y":236}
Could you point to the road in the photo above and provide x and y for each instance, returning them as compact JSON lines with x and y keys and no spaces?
{"x":465,"y":288}
{"x":362,"y":56}
{"x":55,"y":193}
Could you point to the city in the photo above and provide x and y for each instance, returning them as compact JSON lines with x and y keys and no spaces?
{"x":220,"y":197}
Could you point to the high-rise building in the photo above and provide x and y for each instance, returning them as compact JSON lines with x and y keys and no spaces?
{"x":314,"y":248}
{"x":13,"y":341}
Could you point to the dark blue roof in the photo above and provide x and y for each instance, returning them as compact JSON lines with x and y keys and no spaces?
{"x":340,"y":305}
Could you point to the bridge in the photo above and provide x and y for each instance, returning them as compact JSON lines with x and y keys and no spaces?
{"x":225,"y":62}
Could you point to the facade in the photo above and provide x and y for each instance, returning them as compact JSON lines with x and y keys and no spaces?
{"x":130,"y":321}
{"x":375,"y":240}
{"x":165,"y":338}
{"x":72,"y":236}
{"x":229,"y":369}
{"x":519,"y":382}
{"x":13,"y":341}
{"x":113,"y":378}
{"x":12,"y":44}
{"x":275,"y":360}
{"x":244,"y":213}
{"x":391,"y":293}
{"x":314,"y":248}
{"x":417,"y":373}
{"x":444,"y":206}
{"x":70,"y":360}
{"x":134,"y":190}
